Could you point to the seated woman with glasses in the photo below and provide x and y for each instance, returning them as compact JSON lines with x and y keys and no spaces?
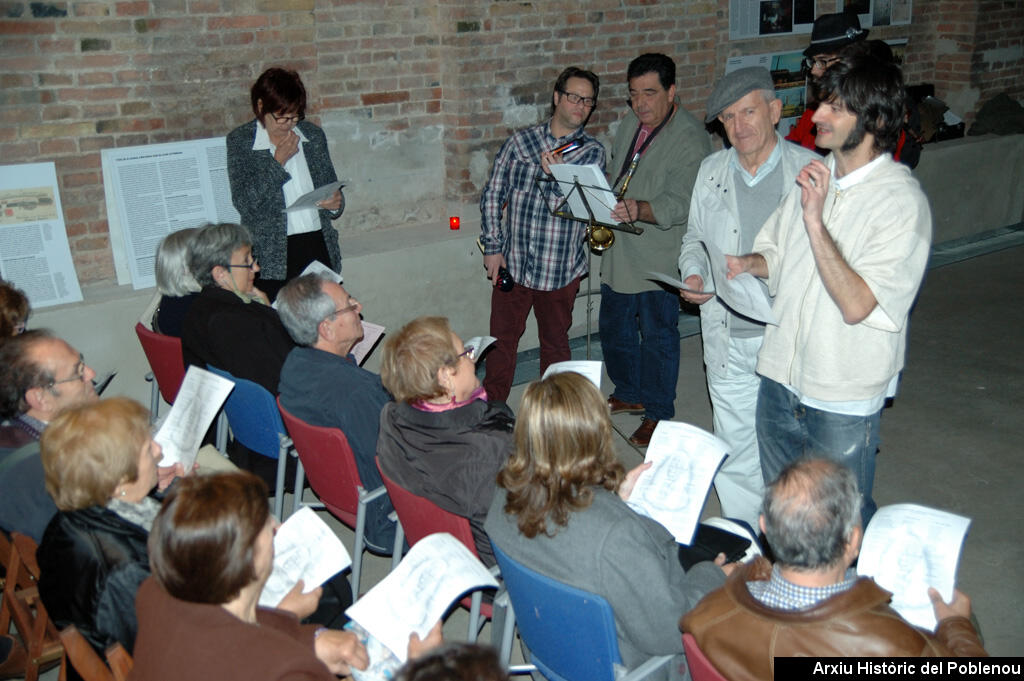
{"x":231,"y":325}
{"x":273,"y":160}
{"x":561,"y":510}
{"x":440,"y":439}
{"x":211,"y":550}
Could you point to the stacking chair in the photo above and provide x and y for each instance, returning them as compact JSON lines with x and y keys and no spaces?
{"x":570,"y":632}
{"x":700,"y":666}
{"x":255,"y":422}
{"x":419,"y":517}
{"x":23,"y":606}
{"x":327,"y":458}
{"x":88,"y":664}
{"x":167,"y":368}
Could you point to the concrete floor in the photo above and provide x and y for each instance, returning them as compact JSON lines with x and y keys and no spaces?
{"x":950,"y":440}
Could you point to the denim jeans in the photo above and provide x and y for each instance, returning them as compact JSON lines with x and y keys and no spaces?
{"x":788,"y":430}
{"x":640,"y":343}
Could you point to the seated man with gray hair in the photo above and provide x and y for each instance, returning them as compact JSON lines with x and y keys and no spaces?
{"x":322,"y":384}
{"x":811,"y":602}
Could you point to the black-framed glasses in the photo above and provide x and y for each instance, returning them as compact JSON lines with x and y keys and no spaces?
{"x":811,"y":63}
{"x":574,"y":98}
{"x":290,"y":118}
{"x":249,"y":265}
{"x":78,"y":375}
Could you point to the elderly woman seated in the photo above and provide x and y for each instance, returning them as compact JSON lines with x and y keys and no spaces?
{"x":212,"y":550}
{"x":561,"y":510}
{"x":101,"y":466}
{"x":177,"y":287}
{"x":441,"y":439}
{"x":231,"y":325}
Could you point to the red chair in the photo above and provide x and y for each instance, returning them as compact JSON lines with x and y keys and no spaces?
{"x":419,"y":517}
{"x":166,"y":364}
{"x":326,"y":458}
{"x":700,"y":666}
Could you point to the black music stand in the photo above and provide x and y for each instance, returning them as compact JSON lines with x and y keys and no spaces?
{"x":564,"y":210}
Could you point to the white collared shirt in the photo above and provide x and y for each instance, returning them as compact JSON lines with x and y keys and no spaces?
{"x":300,"y":221}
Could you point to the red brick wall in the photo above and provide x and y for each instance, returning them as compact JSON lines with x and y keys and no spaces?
{"x":78,"y":77}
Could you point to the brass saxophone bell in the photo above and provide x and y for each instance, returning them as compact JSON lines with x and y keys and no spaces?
{"x":600,"y":238}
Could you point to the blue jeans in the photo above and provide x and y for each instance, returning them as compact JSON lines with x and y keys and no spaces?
{"x":640,"y":343}
{"x":788,"y":430}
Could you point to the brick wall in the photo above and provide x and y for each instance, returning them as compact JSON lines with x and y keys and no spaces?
{"x":416,"y":95}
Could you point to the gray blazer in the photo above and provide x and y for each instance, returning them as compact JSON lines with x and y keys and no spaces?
{"x":630,"y":560}
{"x":257,"y":182}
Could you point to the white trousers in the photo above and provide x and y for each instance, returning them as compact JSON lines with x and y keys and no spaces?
{"x":739,"y":483}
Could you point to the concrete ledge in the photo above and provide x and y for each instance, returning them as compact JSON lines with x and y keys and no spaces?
{"x":975,"y":184}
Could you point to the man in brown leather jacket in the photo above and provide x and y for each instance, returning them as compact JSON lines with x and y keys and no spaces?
{"x":811,"y":603}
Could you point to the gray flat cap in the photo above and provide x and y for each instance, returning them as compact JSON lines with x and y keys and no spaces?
{"x":733,"y":86}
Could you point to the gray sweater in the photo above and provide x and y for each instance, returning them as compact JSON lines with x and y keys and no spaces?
{"x":629,"y":559}
{"x":257,"y":190}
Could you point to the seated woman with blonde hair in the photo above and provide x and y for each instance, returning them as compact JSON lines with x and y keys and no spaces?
{"x":211,"y":550}
{"x":440,"y":439}
{"x":561,"y":510}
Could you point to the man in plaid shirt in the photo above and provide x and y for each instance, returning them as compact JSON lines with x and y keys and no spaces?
{"x":546,"y":255}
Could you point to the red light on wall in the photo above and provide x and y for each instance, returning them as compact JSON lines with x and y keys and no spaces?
{"x":453,"y":222}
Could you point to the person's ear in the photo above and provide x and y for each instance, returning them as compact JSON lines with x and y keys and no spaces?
{"x":776,"y":110}
{"x":761,"y":524}
{"x":853,"y":544}
{"x":444,"y":377}
{"x":38,"y":398}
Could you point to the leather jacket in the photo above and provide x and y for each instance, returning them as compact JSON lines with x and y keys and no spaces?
{"x":91,"y":563}
{"x":741,"y":636}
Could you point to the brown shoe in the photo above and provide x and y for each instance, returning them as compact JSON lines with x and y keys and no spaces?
{"x":641,"y":437}
{"x":617,"y":406}
{"x":14,"y":664}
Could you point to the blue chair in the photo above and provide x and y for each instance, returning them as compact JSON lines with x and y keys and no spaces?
{"x":252,"y":413}
{"x":570,"y":632}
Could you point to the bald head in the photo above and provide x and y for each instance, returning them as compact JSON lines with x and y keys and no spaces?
{"x":810,"y":513}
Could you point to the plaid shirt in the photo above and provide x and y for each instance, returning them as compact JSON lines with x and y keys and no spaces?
{"x":781,"y":594}
{"x":542,"y":252}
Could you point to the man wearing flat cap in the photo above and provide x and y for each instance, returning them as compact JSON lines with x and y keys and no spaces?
{"x":830,"y":34}
{"x":736,"y":190}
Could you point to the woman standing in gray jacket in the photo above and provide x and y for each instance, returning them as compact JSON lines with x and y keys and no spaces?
{"x":273,"y":160}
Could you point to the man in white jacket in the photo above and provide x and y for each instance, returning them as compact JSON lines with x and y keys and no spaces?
{"x":844,"y":257}
{"x":736,"y":190}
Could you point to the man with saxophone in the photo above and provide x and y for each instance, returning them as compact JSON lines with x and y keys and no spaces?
{"x":737,"y":189}
{"x":546,"y":256}
{"x":657,"y":149}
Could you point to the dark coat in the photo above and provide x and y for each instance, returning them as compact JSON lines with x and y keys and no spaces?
{"x":245,"y":339}
{"x":451,"y":457}
{"x":91,"y":563}
{"x":257,"y":190}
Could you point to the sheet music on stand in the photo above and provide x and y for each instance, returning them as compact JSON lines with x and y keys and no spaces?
{"x":595,"y":191}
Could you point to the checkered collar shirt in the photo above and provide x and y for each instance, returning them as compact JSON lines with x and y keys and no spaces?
{"x":778,"y":593}
{"x":543,"y":252}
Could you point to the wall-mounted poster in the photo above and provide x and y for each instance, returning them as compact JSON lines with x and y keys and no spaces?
{"x":34,"y":251}
{"x":754,"y":18}
{"x":157,"y":189}
{"x":880,"y":12}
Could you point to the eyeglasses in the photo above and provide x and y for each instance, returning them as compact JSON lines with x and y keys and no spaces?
{"x":293,"y":118}
{"x":469,"y":353}
{"x":811,"y":63}
{"x":78,"y":375}
{"x":353,"y":304}
{"x":574,"y":98}
{"x":249,"y":265}
{"x":19,"y":327}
